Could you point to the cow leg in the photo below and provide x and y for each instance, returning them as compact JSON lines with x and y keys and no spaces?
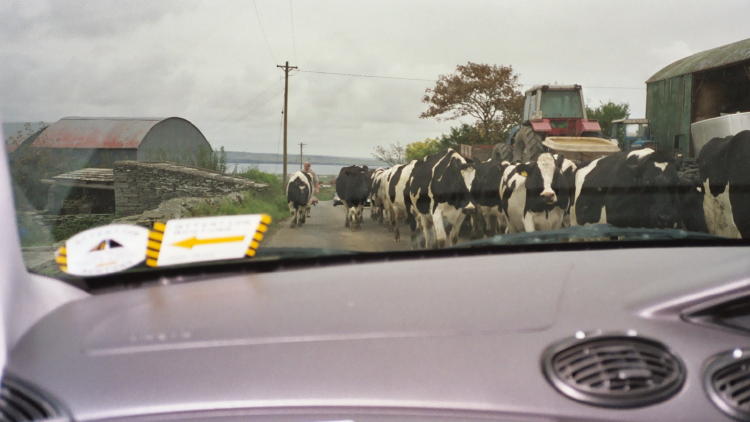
{"x":502,"y":223}
{"x":293,"y":213}
{"x":457,"y":218}
{"x":360,"y":214}
{"x":490,"y":225}
{"x":528,"y":222}
{"x":439,"y":228}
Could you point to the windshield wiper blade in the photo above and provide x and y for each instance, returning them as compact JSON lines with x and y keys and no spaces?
{"x":271,"y":252}
{"x":595,"y":232}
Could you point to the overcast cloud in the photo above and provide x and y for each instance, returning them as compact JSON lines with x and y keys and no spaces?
{"x":209,"y":62}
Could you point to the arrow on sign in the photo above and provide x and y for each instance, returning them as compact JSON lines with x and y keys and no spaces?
{"x":194,"y":241}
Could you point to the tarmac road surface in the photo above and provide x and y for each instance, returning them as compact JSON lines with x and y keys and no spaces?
{"x":325,"y":229}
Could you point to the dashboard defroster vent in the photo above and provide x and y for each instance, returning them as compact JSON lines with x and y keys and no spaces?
{"x":727,"y":382}
{"x":19,"y":403}
{"x":614,"y":370}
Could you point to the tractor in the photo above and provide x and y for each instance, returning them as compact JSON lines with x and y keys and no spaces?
{"x":632,"y":134}
{"x":554,"y":119}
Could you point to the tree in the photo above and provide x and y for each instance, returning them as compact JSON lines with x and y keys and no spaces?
{"x":464,"y":134}
{"x":419,"y":149}
{"x":488,"y":93}
{"x":393,"y":154}
{"x":606,"y":112}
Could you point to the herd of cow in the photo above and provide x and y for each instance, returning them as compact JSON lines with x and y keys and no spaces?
{"x":641,"y":188}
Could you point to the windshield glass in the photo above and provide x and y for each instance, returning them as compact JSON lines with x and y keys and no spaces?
{"x":561,"y":104}
{"x":357,"y":127}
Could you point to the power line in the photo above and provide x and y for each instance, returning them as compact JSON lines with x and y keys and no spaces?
{"x":365,"y":75}
{"x":263,"y":31}
{"x":291,"y":22}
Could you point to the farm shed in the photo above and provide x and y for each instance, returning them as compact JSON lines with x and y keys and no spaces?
{"x":99,"y":142}
{"x":698,"y":87}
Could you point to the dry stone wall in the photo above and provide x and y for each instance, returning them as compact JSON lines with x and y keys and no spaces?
{"x":143,"y":186}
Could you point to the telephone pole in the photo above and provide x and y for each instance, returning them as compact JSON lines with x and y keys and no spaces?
{"x":300,"y":154}
{"x":286,"y":69}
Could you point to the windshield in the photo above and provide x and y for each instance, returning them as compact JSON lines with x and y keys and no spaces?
{"x":286,"y":130}
{"x":561,"y":104}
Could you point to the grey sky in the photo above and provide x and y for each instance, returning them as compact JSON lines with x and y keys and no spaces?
{"x":208,"y":61}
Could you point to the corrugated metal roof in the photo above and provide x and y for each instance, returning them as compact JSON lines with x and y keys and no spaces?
{"x":96,"y":132}
{"x":709,"y":59}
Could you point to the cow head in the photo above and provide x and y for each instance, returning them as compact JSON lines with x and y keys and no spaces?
{"x":660,"y":186}
{"x":645,"y":191}
{"x":545,"y":185}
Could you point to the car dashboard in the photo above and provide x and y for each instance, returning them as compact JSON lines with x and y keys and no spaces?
{"x":640,"y":334}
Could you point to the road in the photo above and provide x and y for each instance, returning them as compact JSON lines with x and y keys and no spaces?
{"x":325,"y":229}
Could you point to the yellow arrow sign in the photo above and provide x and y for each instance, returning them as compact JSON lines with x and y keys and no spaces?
{"x":194,"y":241}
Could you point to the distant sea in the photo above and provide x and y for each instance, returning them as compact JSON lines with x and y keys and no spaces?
{"x":277,"y":168}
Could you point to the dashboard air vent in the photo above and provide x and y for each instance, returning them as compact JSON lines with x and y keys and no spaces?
{"x":615,"y":370}
{"x":19,"y":403}
{"x":727,"y":382}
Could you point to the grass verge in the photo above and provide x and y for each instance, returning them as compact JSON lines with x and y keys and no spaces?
{"x":271,"y":201}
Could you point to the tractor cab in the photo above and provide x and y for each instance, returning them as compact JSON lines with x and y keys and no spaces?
{"x":631,"y":134}
{"x":557,"y":110}
{"x":554,"y":119}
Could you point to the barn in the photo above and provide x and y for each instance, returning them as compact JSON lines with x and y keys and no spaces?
{"x":698,"y":87}
{"x":78,"y":143}
{"x":99,"y":142}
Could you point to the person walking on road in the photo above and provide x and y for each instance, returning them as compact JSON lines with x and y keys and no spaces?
{"x":307,"y":168}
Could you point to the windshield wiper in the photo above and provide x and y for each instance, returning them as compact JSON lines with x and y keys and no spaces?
{"x":595,"y":232}
{"x":271,"y":252}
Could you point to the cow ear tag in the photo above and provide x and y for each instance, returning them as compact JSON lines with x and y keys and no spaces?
{"x":524,"y":173}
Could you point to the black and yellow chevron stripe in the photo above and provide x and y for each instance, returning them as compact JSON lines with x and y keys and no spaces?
{"x":265,"y":220}
{"x":153,"y":247}
{"x":61,"y":258}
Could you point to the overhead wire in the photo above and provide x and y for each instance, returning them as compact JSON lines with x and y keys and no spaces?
{"x":405,"y":78}
{"x":291,"y":23}
{"x":263,"y":32}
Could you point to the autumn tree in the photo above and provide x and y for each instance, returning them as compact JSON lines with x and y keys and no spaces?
{"x":392,"y":154}
{"x":488,"y":93}
{"x":606,"y":112}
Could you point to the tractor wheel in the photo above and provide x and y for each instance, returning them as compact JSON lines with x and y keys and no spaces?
{"x":527,"y":145}
{"x":502,"y":152}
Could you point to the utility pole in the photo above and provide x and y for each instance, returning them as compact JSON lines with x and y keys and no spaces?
{"x":300,"y":154}
{"x":286,"y":69}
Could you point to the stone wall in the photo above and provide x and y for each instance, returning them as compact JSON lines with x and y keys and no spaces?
{"x":143,"y":186}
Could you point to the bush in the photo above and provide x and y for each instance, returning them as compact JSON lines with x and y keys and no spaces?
{"x":273,"y":180}
{"x":271,"y":201}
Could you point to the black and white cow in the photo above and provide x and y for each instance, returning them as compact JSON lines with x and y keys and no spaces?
{"x":398,"y":202}
{"x":536,"y":195}
{"x":353,"y":187}
{"x":725,"y":172}
{"x":485,"y":190}
{"x":439,"y":190}
{"x":628,"y":189}
{"x":298,"y":194}
{"x":376,"y":199}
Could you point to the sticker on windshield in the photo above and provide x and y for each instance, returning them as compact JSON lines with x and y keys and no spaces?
{"x":103,"y":250}
{"x":200,"y":239}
